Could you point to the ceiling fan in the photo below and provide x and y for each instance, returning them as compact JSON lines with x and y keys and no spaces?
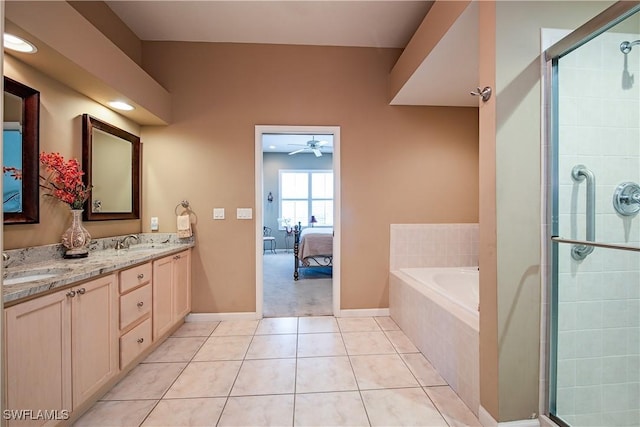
{"x":313,"y":145}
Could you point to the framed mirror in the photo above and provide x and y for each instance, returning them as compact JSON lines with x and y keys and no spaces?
{"x":20,"y":150}
{"x":111,"y":162}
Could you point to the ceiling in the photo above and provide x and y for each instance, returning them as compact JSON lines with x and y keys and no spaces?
{"x":384,"y":24}
{"x":445,"y":77}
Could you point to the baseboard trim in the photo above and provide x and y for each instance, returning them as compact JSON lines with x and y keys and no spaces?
{"x":364,"y":312}
{"x":217,"y":317}
{"x":487,"y":420}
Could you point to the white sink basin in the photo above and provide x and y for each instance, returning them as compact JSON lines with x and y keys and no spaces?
{"x":33,"y":275}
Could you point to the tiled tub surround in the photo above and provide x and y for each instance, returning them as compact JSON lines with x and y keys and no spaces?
{"x":433,"y":245}
{"x":446,"y":334}
{"x":102,"y":259}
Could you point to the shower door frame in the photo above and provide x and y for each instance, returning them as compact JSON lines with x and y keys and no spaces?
{"x":610,"y":17}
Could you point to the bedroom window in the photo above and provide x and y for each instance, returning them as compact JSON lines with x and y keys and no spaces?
{"x":304,"y":193}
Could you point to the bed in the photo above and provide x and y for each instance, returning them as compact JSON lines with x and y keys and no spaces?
{"x":312,"y":248}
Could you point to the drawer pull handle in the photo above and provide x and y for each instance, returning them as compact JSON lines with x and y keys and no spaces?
{"x":140,"y":340}
{"x":141,"y":276}
{"x":71,"y":294}
{"x":140,"y":304}
{"x":81,"y":291}
{"x":176,"y":257}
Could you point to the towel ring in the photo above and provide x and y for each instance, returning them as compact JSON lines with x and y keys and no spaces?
{"x":186,"y":209}
{"x":184,"y":204}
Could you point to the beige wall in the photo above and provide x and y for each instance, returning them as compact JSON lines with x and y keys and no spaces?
{"x":487,"y":250}
{"x":398,"y":164}
{"x":61,"y":112}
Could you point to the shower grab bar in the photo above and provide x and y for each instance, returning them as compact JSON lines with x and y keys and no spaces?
{"x":595,"y":244}
{"x":579,"y":174}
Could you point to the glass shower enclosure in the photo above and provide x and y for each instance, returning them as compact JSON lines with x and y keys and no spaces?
{"x":593,"y":195}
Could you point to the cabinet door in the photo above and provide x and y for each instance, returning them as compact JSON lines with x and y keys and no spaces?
{"x":94,"y":322}
{"x":162,"y":307}
{"x":38,"y":355}
{"x":181,"y":285}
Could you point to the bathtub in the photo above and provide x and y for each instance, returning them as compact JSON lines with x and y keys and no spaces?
{"x":437,"y":308}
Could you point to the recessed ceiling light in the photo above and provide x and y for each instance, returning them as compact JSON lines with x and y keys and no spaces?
{"x":18,"y":44}
{"x":120,"y":105}
{"x":272,"y":147}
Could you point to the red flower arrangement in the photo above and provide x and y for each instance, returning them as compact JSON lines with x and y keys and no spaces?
{"x":64,"y":180}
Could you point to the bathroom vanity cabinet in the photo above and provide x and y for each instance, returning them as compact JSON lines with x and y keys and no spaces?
{"x":61,"y":348}
{"x":135,"y":312}
{"x":64,"y":349}
{"x":171,"y":291}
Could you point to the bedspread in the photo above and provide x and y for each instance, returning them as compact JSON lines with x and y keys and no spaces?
{"x":315,"y":242}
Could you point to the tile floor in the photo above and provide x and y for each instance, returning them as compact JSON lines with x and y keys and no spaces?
{"x":306,"y":371}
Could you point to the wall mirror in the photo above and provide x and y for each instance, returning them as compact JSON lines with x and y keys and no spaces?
{"x":20,"y":150}
{"x":111,"y":162}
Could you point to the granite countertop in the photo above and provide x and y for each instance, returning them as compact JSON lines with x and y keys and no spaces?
{"x":102,"y":259}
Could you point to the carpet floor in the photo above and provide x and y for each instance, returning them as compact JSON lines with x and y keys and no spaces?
{"x":311,"y":295}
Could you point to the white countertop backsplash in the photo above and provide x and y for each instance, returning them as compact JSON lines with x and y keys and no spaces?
{"x":102,"y":259}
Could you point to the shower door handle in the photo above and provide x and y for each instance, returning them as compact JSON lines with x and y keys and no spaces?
{"x":580,"y":173}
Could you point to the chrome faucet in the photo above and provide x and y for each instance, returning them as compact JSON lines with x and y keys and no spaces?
{"x":124,"y":243}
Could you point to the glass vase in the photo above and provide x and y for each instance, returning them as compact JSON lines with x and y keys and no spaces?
{"x":76,"y":238}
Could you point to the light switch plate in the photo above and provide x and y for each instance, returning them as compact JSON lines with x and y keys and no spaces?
{"x":218,"y":213}
{"x":154,"y":223}
{"x":244,"y":213}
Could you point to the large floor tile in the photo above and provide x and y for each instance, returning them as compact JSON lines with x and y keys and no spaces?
{"x":401,"y":407}
{"x":387,"y":324}
{"x":204,"y":412}
{"x":330,"y":409}
{"x":401,"y":342}
{"x":122,"y":413}
{"x":424,"y":372}
{"x":452,"y":407}
{"x":367,"y":343}
{"x":176,"y":350}
{"x":358,"y":324}
{"x":272,"y":347}
{"x":146,"y":381}
{"x":277,"y":325}
{"x":320,"y":374}
{"x":316,"y":324}
{"x":224,"y":348}
{"x":272,"y":410}
{"x":266,"y":376}
{"x":195,"y":329}
{"x":205,"y":379}
{"x":236,"y":327}
{"x":382,"y":371}
{"x":325,"y":344}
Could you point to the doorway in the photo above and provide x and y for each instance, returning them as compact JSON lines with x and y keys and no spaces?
{"x":304,"y":154}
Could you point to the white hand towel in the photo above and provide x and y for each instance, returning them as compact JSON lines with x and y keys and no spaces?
{"x":184,"y":226}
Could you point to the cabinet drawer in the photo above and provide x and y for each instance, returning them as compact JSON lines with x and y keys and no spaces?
{"x":135,"y":342}
{"x":134,"y":305}
{"x":134,"y":277}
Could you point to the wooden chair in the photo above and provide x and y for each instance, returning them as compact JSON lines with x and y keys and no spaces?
{"x":268,"y":238}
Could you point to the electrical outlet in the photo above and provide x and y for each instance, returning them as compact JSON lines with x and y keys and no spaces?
{"x":154,"y":223}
